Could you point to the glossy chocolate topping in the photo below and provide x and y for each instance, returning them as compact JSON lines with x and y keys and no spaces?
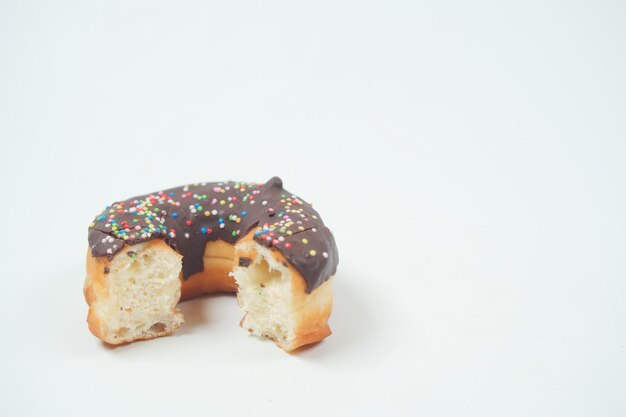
{"x":187,"y":217}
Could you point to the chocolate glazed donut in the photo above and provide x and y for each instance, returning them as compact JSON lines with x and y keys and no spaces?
{"x":258,"y":239}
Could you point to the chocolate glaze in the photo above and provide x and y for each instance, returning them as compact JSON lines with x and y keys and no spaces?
{"x":187,"y":217}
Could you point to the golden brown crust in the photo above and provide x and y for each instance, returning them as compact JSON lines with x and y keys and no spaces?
{"x":313,"y":325}
{"x":95,"y":286}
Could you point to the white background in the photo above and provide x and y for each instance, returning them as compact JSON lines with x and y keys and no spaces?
{"x":469,"y":158}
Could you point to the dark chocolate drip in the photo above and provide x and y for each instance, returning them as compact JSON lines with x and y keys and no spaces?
{"x":187,"y":217}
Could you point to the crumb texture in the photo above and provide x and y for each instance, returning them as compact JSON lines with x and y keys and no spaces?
{"x":134,"y":295}
{"x":265,"y":296}
{"x":139,"y":296}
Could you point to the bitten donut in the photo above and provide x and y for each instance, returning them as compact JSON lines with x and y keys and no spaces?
{"x":266,"y":244}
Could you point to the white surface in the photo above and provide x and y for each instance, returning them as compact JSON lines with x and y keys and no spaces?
{"x":470,"y":159}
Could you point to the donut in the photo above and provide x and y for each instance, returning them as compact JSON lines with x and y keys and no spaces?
{"x":148,"y":253}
